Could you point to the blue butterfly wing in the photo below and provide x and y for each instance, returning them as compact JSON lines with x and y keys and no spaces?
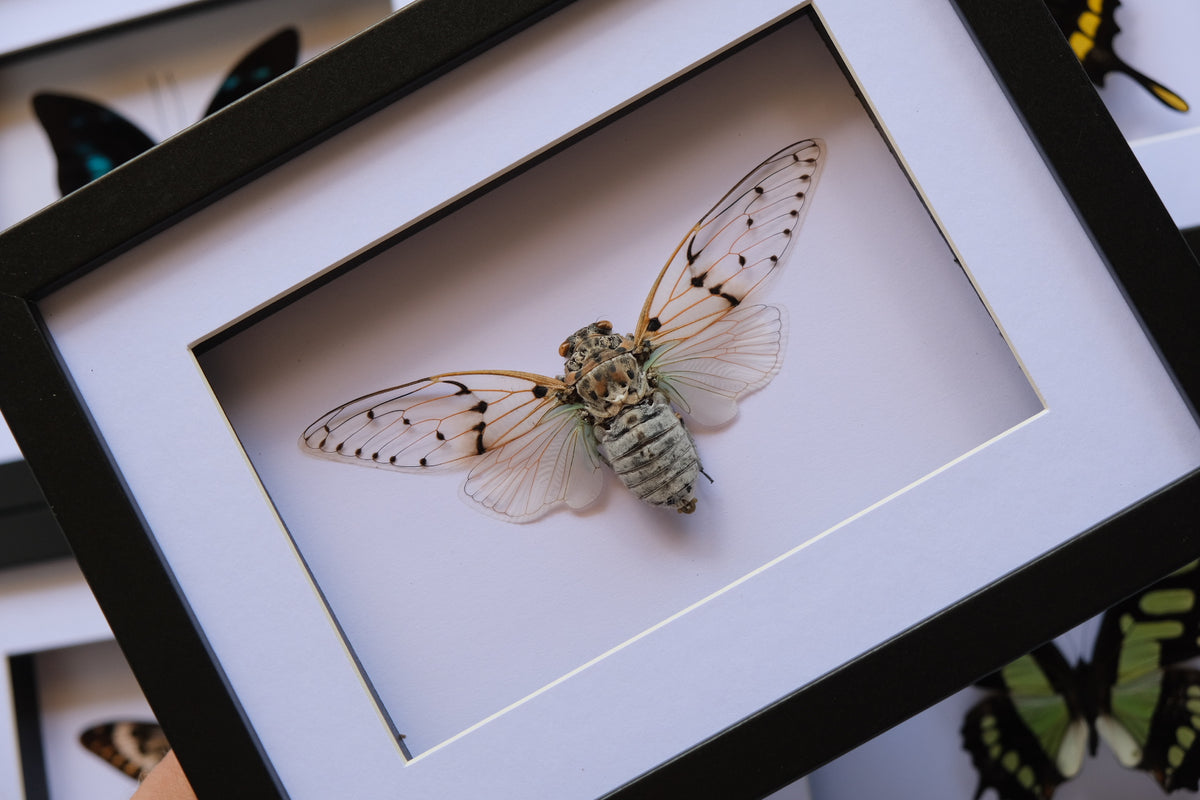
{"x":89,"y":139}
{"x":266,"y":62}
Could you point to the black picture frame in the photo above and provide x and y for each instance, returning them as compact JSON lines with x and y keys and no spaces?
{"x":68,"y":39}
{"x":28,"y":532}
{"x":64,"y":686}
{"x":27,"y":713}
{"x":783,"y":741}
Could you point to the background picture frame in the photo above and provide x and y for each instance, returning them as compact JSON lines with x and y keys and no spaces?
{"x":48,"y":609}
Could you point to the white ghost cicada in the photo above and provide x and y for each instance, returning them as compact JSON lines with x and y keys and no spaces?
{"x":533,"y":442}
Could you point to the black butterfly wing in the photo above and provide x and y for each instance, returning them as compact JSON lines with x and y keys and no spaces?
{"x":1029,"y":735}
{"x":89,"y":139}
{"x":1090,"y":27}
{"x":1170,"y":754}
{"x":267,"y":61}
{"x":1153,"y":709}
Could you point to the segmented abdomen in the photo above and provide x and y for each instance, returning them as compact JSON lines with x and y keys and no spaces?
{"x":652,"y":453}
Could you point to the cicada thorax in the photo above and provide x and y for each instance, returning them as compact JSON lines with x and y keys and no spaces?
{"x":604,"y":369}
{"x":637,"y":432}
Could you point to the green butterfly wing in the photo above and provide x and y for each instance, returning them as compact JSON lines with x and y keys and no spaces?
{"x":1030,"y":734}
{"x":1151,"y":714}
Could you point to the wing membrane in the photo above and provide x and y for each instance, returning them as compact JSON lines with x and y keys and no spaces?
{"x":528,"y":451}
{"x":741,"y":352}
{"x":434,"y":421}
{"x":554,"y":463}
{"x":734,"y":247}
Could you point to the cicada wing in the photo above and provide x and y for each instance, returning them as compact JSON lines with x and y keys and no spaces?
{"x":554,"y":463}
{"x":705,"y":375}
{"x":527,"y":450}
{"x":734,"y":248}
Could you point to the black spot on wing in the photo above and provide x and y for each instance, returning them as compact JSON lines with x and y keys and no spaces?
{"x":653,"y":324}
{"x":540,"y":391}
{"x":480,"y":407}
{"x":462,"y":388}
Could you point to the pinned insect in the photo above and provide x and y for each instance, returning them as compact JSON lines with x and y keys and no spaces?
{"x":1137,"y":693}
{"x":534,"y":442}
{"x":90,"y":139}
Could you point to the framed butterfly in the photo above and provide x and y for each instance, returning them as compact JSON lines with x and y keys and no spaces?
{"x":1090,"y":27}
{"x":1031,"y":733}
{"x":134,"y":748}
{"x":90,"y":140}
{"x":533,"y":443}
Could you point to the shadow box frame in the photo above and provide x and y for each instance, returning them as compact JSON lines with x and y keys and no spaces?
{"x":28,"y":532}
{"x":47,"y":606}
{"x":230,"y":624}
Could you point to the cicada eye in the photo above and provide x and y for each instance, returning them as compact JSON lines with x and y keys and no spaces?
{"x":604,"y":326}
{"x":564,"y":348}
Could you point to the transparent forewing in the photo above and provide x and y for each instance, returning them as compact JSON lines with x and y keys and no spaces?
{"x":734,"y":248}
{"x":705,"y":374}
{"x":554,"y":463}
{"x":432,"y":422}
{"x":528,"y":451}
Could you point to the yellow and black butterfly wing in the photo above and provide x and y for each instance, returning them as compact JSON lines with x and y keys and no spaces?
{"x":1151,"y":714}
{"x":1029,"y":735}
{"x":1090,"y":27}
